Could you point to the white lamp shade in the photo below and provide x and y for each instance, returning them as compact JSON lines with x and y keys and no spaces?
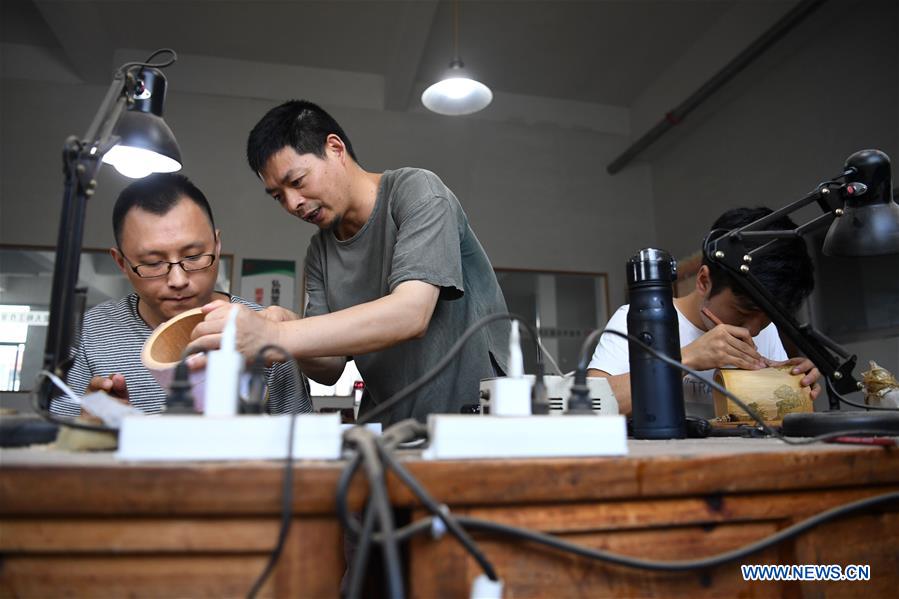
{"x":457,"y":94}
{"x":139,"y":162}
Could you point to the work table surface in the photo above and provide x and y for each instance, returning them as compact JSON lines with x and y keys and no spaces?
{"x":84,"y":482}
{"x":89,"y":525}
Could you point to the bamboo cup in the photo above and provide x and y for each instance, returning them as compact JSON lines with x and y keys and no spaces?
{"x":771,"y":392}
{"x":164,"y":349}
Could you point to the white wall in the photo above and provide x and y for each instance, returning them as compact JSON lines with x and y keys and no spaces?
{"x":536,"y":194}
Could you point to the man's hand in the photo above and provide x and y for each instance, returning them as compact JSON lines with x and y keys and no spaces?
{"x":279,"y":314}
{"x":724,"y":345}
{"x":253,"y":330}
{"x":806,"y":367}
{"x":114,"y":385}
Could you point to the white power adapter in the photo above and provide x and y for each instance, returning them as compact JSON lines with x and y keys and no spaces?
{"x":509,"y":395}
{"x":223,"y":372}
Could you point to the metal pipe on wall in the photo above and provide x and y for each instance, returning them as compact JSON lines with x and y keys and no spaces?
{"x":795,"y":16}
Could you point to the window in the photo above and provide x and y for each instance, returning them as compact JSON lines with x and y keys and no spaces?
{"x":564,"y":307}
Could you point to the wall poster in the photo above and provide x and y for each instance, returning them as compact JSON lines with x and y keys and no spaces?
{"x":269,"y":282}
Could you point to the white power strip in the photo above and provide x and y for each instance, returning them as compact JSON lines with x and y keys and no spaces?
{"x":558,"y":390}
{"x":489,"y":437}
{"x":176,"y":437}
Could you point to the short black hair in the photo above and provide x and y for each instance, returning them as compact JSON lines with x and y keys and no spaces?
{"x":784,"y":269}
{"x":298,"y":124}
{"x":157,"y":194}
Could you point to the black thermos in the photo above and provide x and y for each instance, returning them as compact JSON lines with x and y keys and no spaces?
{"x":657,"y":392}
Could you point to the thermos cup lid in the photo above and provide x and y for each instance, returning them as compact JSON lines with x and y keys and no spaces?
{"x":651,"y":265}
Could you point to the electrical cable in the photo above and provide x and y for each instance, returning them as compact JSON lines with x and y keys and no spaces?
{"x":830,"y":389}
{"x":441,"y":512}
{"x":286,"y":489}
{"x":470,"y":523}
{"x":360,"y":557}
{"x":297,"y":379}
{"x":365,"y":442}
{"x":554,"y":542}
{"x":680,"y":565}
{"x":550,"y":358}
{"x":591,"y":340}
{"x":147,"y":64}
{"x":343,"y":485}
{"x":445,"y":361}
{"x":391,"y":437}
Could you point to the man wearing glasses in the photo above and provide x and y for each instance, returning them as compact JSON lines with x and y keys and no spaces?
{"x":168,"y":248}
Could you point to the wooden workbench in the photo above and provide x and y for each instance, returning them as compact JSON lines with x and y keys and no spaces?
{"x":87,"y":525}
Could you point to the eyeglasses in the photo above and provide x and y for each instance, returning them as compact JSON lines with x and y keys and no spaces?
{"x":163,"y":268}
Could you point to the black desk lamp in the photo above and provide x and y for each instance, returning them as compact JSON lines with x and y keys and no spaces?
{"x":129,"y":133}
{"x":864,"y":221}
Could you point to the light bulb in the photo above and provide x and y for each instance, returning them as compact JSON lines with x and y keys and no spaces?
{"x":136,"y":163}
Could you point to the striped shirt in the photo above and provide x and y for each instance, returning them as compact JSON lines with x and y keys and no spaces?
{"x":112,"y":337}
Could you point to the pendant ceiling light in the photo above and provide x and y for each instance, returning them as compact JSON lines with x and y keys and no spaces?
{"x":457,"y":92}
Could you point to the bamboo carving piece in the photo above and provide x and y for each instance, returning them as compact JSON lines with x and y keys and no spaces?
{"x":770,"y":392}
{"x":164,"y":349}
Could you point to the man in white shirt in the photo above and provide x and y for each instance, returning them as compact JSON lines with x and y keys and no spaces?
{"x":719,"y":326}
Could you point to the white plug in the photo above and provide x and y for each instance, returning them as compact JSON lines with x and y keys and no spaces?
{"x":516,"y":361}
{"x":223,"y":371}
{"x":484,"y":588}
{"x":510,"y":395}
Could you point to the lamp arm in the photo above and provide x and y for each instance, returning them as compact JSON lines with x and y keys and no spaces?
{"x":816,"y":223}
{"x":818,"y":195}
{"x":730,"y":253}
{"x":81,"y":162}
{"x":101,"y":121}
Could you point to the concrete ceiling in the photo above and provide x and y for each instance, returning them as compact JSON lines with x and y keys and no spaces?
{"x":596,"y":51}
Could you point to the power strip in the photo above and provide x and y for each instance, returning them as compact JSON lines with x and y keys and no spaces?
{"x":177,"y":437}
{"x":558,"y":390}
{"x":491,"y":437}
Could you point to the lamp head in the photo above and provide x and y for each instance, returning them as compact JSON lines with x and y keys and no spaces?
{"x":146,"y":144}
{"x":869,"y":223}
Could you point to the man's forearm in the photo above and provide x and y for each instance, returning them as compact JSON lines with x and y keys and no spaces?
{"x":621,"y":387}
{"x":324,"y":371}
{"x":368,"y":327}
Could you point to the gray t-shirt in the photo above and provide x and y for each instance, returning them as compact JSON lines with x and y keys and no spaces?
{"x":417,"y":232}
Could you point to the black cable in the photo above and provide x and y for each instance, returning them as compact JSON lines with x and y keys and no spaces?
{"x":391,"y":437}
{"x":445,"y":361}
{"x":360,"y":557}
{"x":367,"y":446}
{"x":764,"y":425}
{"x":795,"y":530}
{"x":680,"y":565}
{"x":403,"y":431}
{"x":439,"y":511}
{"x":295,"y":370}
{"x":286,"y":489}
{"x":147,"y":64}
{"x":425,"y":524}
{"x":364,"y":535}
{"x":410,"y":530}
{"x":343,"y":485}
{"x":830,"y":389}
